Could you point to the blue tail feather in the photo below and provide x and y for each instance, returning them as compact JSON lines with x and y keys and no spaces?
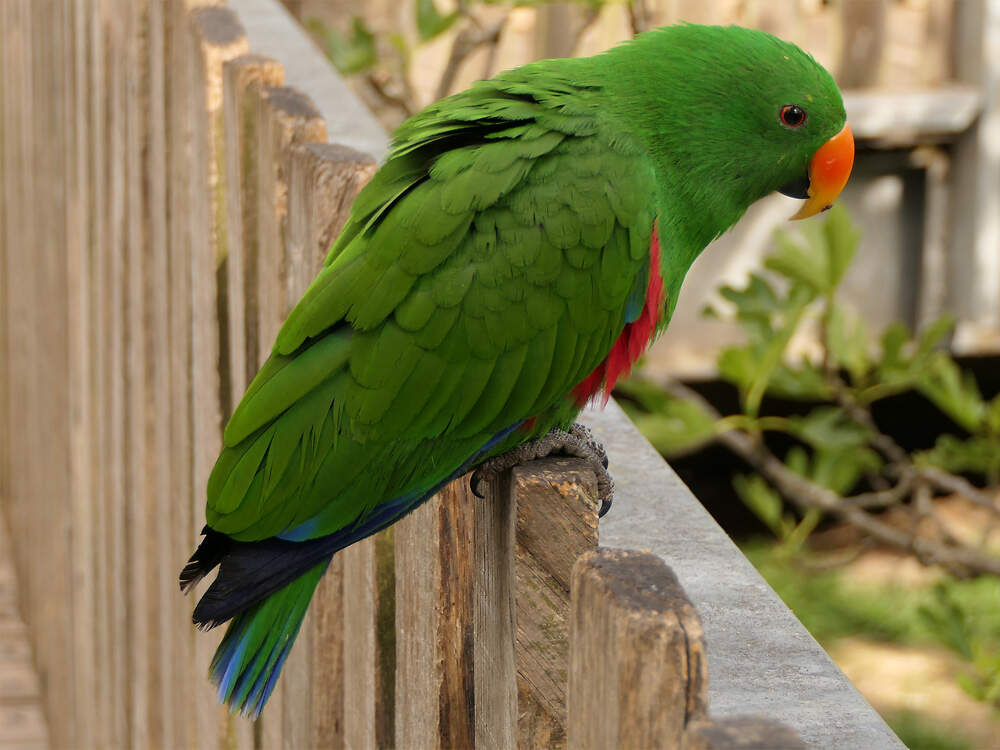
{"x":247,"y":663}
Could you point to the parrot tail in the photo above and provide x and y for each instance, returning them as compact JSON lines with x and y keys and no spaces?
{"x":247,"y":663}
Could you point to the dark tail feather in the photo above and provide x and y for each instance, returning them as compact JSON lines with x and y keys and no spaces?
{"x":247,"y":663}
{"x":209,"y":554}
{"x":252,"y":571}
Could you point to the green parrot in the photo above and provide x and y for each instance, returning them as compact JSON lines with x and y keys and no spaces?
{"x":521,"y":246}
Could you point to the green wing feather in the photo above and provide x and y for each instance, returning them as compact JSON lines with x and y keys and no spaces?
{"x":483,"y":273}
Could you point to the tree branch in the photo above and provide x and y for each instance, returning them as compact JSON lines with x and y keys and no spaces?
{"x":806,"y":494}
{"x":468,"y":40}
{"x":378,"y":86}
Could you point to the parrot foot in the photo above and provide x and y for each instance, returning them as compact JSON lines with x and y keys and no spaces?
{"x":579,"y":442}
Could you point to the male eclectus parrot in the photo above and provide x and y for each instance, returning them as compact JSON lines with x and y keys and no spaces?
{"x":516,"y":253}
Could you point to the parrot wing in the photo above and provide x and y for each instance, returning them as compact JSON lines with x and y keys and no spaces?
{"x":484,"y":273}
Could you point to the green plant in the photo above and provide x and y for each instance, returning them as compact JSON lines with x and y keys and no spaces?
{"x":383,"y":59}
{"x":920,"y":733}
{"x":837,"y":445}
{"x":972,"y":634}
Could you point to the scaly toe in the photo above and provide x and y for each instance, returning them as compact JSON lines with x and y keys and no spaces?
{"x":579,"y":441}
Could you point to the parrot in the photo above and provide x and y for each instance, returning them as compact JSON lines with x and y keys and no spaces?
{"x":522,"y":244}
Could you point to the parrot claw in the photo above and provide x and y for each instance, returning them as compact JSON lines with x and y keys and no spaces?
{"x":579,"y":442}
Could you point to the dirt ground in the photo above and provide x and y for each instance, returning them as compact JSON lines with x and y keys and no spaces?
{"x":895,"y":679}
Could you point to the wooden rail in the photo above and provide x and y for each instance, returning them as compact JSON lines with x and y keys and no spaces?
{"x":165,"y":199}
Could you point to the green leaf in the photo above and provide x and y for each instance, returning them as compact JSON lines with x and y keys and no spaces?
{"x":841,"y":243}
{"x":821,"y":262}
{"x":903,"y":362}
{"x":737,"y":365}
{"x":840,"y":470}
{"x":430,"y":22}
{"x":948,"y":619}
{"x":802,"y":382}
{"x":847,"y":341}
{"x":959,"y":456}
{"x":829,"y":428}
{"x":757,"y":299}
{"x":797,"y":460}
{"x":677,"y":428}
{"x":352,"y":53}
{"x":953,"y":391}
{"x":798,"y":263}
{"x":933,"y":335}
{"x":649,"y":395}
{"x":894,"y":338}
{"x":763,"y":502}
{"x":992,"y":417}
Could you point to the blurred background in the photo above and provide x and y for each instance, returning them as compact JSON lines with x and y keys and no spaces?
{"x":859,"y":351}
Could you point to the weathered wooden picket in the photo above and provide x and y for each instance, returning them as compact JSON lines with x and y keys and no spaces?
{"x":164,"y":199}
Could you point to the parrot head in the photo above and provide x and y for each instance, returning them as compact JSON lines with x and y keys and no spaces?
{"x":730,"y":115}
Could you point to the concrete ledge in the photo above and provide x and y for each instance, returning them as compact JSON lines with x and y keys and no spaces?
{"x":761,"y":660}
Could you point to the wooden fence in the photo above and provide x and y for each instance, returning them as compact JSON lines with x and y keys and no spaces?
{"x":165,"y":199}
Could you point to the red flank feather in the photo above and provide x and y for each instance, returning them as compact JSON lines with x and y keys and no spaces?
{"x":633,"y":339}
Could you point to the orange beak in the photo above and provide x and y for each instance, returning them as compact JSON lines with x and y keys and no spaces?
{"x":828,"y":172}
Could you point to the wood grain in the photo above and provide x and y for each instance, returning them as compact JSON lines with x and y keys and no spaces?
{"x":284,"y":116}
{"x":864,"y":31}
{"x":638,"y":672}
{"x":22,"y":721}
{"x":322,"y":182}
{"x":215,"y":36}
{"x":140,"y":530}
{"x":434,"y":621}
{"x":556,"y":523}
{"x":495,"y":675}
{"x":243,"y":79}
{"x":159,"y":498}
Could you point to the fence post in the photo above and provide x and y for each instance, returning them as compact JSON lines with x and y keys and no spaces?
{"x":495,"y":666}
{"x":434,"y":621}
{"x":638,"y":674}
{"x":322,"y":182}
{"x":213,"y":35}
{"x":638,"y":671}
{"x":482,"y":597}
{"x":556,"y":523}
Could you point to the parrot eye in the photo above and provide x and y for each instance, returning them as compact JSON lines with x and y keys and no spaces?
{"x":792,"y":116}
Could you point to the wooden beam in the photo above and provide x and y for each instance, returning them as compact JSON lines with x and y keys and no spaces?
{"x":556,"y":523}
{"x":638,"y":672}
{"x":434,"y":621}
{"x":214,"y":36}
{"x":495,"y":671}
{"x":244,"y":78}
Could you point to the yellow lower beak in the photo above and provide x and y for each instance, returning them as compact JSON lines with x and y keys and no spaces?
{"x":828,"y":172}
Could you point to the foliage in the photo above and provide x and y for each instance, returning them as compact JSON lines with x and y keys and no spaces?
{"x":974,"y":634}
{"x":833,"y":607}
{"x":838,"y":444}
{"x":383,"y":58}
{"x":918,"y":732}
{"x":837,"y":448}
{"x":961,"y":615}
{"x":350,"y":53}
